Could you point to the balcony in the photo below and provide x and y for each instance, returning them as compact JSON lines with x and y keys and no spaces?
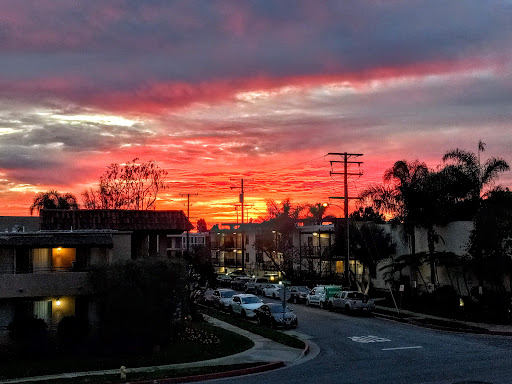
{"x":44,"y":284}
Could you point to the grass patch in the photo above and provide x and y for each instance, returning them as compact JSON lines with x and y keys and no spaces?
{"x":202,"y":342}
{"x":257,"y":329}
{"x":156,"y":374}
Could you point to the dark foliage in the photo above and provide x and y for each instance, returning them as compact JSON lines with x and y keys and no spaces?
{"x":72,"y":331}
{"x":29,"y":334}
{"x":53,"y":200}
{"x":140,"y":303}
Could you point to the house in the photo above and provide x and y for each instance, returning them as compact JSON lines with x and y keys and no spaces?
{"x":43,"y":270}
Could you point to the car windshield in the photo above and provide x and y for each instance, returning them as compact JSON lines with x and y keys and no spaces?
{"x":278,"y":309}
{"x":355,"y":295}
{"x":227,"y":294}
{"x":250,"y":300}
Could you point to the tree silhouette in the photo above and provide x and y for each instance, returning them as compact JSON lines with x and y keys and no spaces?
{"x":53,"y":200}
{"x":473,"y":175}
{"x":201,"y":225}
{"x":397,"y":196}
{"x":317,"y":212}
{"x":128,"y":186}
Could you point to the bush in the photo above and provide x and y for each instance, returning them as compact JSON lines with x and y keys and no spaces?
{"x":72,"y":331}
{"x":29,"y":334}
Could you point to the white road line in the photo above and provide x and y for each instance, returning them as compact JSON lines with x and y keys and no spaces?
{"x":394,"y":349}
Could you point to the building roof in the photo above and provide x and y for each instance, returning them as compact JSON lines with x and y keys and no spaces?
{"x":57,"y":239}
{"x":19,"y":223}
{"x":125,"y":220}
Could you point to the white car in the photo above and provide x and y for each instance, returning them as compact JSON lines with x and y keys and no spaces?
{"x":272,"y":290}
{"x":245,"y":304}
{"x":222,"y":297}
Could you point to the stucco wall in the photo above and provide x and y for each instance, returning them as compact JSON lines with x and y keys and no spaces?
{"x":122,"y":249}
{"x":454,"y":237}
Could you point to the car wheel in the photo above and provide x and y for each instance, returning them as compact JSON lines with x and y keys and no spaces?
{"x":329,"y":306}
{"x":244,"y":315}
{"x":273,"y":295}
{"x":347,"y":308}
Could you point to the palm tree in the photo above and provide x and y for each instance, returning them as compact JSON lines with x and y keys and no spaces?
{"x":53,"y":200}
{"x":472,"y":174}
{"x":401,"y":196}
{"x":398,"y":195}
{"x":476,"y":177}
{"x":317,"y":212}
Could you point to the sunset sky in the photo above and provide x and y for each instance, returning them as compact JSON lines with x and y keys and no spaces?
{"x":260,"y":90}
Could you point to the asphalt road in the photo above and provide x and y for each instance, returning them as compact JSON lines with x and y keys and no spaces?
{"x":372,"y":350}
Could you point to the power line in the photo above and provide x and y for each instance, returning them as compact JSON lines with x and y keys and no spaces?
{"x":345,"y":156}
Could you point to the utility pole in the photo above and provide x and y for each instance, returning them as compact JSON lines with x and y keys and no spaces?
{"x":242,"y":205}
{"x":345,"y":161}
{"x":188,"y":214}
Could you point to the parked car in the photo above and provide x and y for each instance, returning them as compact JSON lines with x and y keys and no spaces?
{"x":320,"y":295}
{"x":237,"y":273}
{"x":224,"y":280}
{"x":238,"y":283}
{"x":256,"y":285}
{"x":222,"y":297}
{"x":298,"y":294}
{"x":274,"y":315}
{"x":244,"y":304}
{"x":272,"y":290}
{"x":350,"y":301}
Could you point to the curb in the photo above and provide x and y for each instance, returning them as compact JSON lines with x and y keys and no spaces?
{"x":474,"y":330}
{"x":210,"y":376}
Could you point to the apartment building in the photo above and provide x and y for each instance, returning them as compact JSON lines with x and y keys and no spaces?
{"x":44,"y":261}
{"x":177,"y":244}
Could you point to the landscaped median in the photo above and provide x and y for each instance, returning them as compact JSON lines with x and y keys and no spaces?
{"x":255,"y":328}
{"x":199,"y":341}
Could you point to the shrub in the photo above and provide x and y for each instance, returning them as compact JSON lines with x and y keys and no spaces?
{"x":72,"y":331}
{"x":29,"y":335}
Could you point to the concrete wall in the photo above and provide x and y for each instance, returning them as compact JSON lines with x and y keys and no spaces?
{"x":454,"y":237}
{"x":43,"y":284}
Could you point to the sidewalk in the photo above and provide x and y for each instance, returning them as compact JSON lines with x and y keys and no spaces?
{"x":264,"y":351}
{"x":437,"y":322}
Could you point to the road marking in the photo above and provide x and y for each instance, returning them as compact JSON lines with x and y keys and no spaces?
{"x":394,"y":349}
{"x":368,"y":339}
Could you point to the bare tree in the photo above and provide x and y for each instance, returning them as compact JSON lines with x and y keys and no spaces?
{"x":129,"y":186}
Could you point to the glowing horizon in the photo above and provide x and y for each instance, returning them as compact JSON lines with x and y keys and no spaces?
{"x":260,"y":91}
